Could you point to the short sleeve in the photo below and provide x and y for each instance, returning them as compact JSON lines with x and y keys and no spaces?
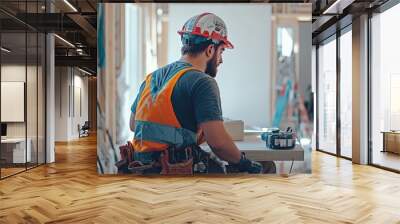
{"x":206,"y":100}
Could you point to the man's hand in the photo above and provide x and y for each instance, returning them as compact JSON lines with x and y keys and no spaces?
{"x":246,"y":165}
{"x":220,"y":141}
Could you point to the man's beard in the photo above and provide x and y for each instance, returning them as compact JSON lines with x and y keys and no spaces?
{"x":211,"y":68}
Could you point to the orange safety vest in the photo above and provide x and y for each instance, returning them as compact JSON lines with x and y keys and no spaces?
{"x":156,"y":125}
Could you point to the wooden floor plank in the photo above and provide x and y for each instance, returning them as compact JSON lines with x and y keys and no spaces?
{"x":71,"y":191}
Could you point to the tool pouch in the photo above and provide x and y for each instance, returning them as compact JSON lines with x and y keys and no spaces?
{"x":126,"y":152}
{"x":177,"y":161}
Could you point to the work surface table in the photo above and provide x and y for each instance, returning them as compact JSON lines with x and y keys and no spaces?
{"x":13,"y":140}
{"x":255,"y":149}
{"x":391,"y":141}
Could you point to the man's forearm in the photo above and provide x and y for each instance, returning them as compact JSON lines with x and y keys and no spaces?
{"x":227,"y":152}
{"x":220,"y":141}
{"x":222,"y":145}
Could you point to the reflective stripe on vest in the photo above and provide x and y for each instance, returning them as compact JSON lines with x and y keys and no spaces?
{"x":179,"y":137}
{"x":156,"y":125}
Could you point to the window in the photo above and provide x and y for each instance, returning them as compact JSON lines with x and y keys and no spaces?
{"x":346,"y":94}
{"x":385,"y":89}
{"x":327,"y":96}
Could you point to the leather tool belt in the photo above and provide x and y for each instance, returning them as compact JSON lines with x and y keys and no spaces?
{"x":172,"y":161}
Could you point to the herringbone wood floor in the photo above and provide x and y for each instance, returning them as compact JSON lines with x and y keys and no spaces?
{"x":70,"y":191}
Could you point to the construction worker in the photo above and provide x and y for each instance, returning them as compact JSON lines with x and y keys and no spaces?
{"x":178,"y":107}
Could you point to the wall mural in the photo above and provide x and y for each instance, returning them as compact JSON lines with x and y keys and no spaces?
{"x":167,"y":100}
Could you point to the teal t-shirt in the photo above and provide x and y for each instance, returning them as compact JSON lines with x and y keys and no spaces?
{"x":195,"y":98}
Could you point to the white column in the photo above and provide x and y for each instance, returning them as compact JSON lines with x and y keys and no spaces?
{"x":50,"y":101}
{"x":360,"y":90}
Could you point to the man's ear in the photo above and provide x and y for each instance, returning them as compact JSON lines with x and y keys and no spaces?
{"x":210,"y":50}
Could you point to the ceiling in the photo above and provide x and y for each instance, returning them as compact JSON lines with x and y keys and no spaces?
{"x":331,"y":15}
{"x":74,"y":21}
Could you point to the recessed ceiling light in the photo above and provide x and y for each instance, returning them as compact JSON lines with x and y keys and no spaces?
{"x":65,"y":41}
{"x":5,"y":50}
{"x":159,"y":12}
{"x":304,"y":18}
{"x":70,"y":5}
{"x":337,"y":7}
{"x":84,"y":71}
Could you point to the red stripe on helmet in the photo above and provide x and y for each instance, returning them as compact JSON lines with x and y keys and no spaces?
{"x":196,"y":30}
